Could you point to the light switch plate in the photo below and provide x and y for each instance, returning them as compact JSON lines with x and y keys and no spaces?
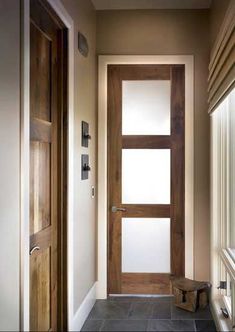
{"x":85,"y":166}
{"x":85,"y":134}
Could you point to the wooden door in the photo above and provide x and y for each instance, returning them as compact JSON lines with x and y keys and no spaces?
{"x":47,"y":162}
{"x":145,"y":147}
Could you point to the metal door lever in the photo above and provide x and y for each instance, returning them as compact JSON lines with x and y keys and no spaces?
{"x":116,"y":209}
{"x":33,"y":249}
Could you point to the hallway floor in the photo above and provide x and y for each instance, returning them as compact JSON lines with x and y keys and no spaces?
{"x":145,"y":314}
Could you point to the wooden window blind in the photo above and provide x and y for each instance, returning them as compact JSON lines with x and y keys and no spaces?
{"x":222,"y":64}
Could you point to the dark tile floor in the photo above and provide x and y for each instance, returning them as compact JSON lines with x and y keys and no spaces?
{"x":146,"y":314}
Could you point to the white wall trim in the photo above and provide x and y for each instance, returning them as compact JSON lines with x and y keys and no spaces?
{"x":104,"y":60}
{"x":222,"y":324}
{"x":222,"y":261}
{"x":229,"y":263}
{"x":25,"y":117}
{"x":84,"y":310}
{"x":24,"y":155}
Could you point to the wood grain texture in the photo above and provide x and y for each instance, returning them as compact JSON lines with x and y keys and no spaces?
{"x":114,"y":178}
{"x":63,"y":180}
{"x":40,"y":276}
{"x":190,"y":294}
{"x":40,"y":67}
{"x":146,"y":283}
{"x":42,"y":238}
{"x":177,"y":170}
{"x":40,"y":186}
{"x":48,"y":168}
{"x":146,"y":211}
{"x":146,"y":142}
{"x":131,"y":282}
{"x":43,"y":171}
{"x":143,"y":72}
{"x":40,"y":130}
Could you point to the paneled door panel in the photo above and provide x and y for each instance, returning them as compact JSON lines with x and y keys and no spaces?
{"x":46,"y":55}
{"x":43,"y":184}
{"x":145,"y":177}
{"x":40,"y":278}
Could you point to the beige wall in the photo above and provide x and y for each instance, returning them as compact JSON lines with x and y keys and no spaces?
{"x":85,"y":109}
{"x":83,"y":14}
{"x":9,"y":164}
{"x":118,"y":32}
{"x":166,"y":32}
{"x":217,"y":12}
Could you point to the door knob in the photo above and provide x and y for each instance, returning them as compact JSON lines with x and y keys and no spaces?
{"x":33,"y":249}
{"x":116,"y":209}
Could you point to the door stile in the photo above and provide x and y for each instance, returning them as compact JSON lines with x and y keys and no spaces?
{"x":114,"y":176}
{"x":54,"y":178}
{"x":177,"y":170}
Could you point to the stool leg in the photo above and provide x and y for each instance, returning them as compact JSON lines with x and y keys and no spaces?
{"x":191,"y":300}
{"x":178,"y":295}
{"x":203,"y":299}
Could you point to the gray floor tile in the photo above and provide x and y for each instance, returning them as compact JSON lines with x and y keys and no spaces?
{"x":125,"y":325}
{"x":92,"y":325}
{"x":142,"y":314}
{"x":141,"y":310}
{"x":205,"y":325}
{"x":161,"y":310}
{"x":110,"y":310}
{"x":178,"y":313}
{"x":171,"y":325}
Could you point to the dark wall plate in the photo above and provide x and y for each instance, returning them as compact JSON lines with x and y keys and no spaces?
{"x":85,"y":134}
{"x":85,"y":166}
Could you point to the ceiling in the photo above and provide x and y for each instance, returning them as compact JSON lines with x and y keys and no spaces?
{"x":151,"y":4}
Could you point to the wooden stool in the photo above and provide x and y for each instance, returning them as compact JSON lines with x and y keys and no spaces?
{"x":190,"y":294}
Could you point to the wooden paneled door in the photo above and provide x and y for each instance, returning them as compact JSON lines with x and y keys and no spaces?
{"x":146,"y":177}
{"x":48,"y":160}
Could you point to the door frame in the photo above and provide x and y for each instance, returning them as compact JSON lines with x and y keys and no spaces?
{"x":104,"y":61}
{"x":25,"y":157}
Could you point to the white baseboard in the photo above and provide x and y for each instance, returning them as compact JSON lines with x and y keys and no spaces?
{"x":84,"y":310}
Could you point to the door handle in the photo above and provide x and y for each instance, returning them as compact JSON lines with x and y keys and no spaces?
{"x":117,"y":209}
{"x":33,"y":249}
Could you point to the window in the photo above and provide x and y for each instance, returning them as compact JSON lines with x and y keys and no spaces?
{"x":231,"y":182}
{"x":223,"y":202}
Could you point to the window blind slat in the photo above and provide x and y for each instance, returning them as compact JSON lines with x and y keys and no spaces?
{"x":224,"y":89}
{"x":222,"y":74}
{"x":222,"y":44}
{"x":227,"y":58}
{"x":221,"y":69}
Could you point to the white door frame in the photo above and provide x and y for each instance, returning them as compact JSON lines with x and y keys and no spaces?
{"x":25,"y":153}
{"x":104,"y":61}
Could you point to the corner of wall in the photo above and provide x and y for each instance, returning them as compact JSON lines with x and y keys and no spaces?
{"x":84,"y":310}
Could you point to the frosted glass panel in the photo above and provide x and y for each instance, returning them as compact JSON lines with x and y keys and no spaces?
{"x":146,"y":107}
{"x":146,"y":245}
{"x":146,"y":176}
